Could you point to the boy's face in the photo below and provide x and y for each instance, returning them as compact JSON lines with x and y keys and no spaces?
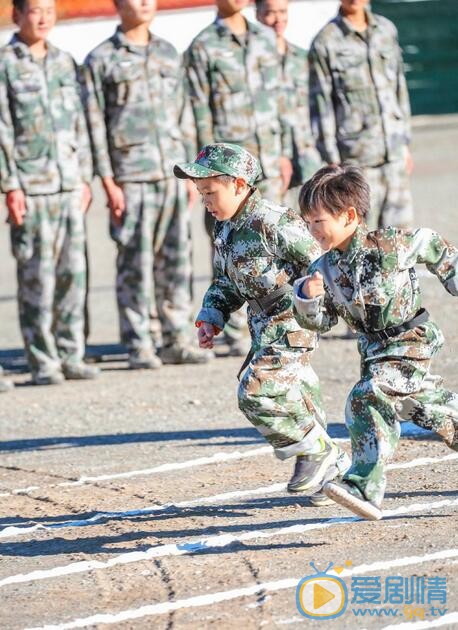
{"x":331,"y":231}
{"x":221,"y":199}
{"x":226,"y":8}
{"x":274,"y":13}
{"x":136,"y":12}
{"x":36,"y":20}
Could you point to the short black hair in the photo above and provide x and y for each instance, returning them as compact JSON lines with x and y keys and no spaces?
{"x":19,"y":5}
{"x":335,"y":188}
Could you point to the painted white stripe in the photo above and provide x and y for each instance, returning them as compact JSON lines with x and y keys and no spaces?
{"x":213,"y":542}
{"x":191,"y":463}
{"x":13,"y":531}
{"x":408,"y":429}
{"x":215,"y":598}
{"x":451,"y":618}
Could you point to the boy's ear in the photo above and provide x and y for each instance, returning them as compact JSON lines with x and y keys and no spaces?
{"x":240,"y":184}
{"x":351,"y":214}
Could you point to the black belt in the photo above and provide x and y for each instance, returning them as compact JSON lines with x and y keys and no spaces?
{"x":420,"y":317}
{"x":266,"y":303}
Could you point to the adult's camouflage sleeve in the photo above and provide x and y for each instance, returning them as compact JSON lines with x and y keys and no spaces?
{"x":94,"y":102}
{"x":196,"y":61}
{"x":322,"y":113}
{"x":8,"y":173}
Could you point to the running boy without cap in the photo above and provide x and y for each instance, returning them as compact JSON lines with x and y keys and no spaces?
{"x":369,"y":279}
{"x":260,"y":249}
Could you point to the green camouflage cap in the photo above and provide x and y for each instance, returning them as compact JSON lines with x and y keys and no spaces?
{"x":221,"y":159}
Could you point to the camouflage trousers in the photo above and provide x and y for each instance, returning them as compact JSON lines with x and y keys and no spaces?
{"x":51,"y":271}
{"x":391,"y":199}
{"x":390,"y":390}
{"x":154,"y":264}
{"x":280,"y":395}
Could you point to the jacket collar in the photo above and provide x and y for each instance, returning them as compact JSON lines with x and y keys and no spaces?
{"x":355,"y":246}
{"x":244,"y":214}
{"x":121,"y":41}
{"x":224,"y":31}
{"x":22,"y":50}
{"x":347,"y":26}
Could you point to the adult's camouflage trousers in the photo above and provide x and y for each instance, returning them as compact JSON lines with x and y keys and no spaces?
{"x":154,"y":267}
{"x":51,"y":271}
{"x":391,"y":199}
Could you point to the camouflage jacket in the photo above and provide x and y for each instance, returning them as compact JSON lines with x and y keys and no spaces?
{"x":295,"y":76}
{"x":373,"y":284}
{"x":44,"y":146}
{"x":236,"y":93}
{"x":136,"y":107}
{"x":262,"y":248}
{"x":358,"y":94}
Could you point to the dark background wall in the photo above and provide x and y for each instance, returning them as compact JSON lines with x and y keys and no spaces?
{"x":428,"y":33}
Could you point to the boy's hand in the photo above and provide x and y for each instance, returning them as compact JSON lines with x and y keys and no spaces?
{"x":286,"y":172}
{"x":205,"y":334}
{"x":15,"y":202}
{"x":313,"y":286}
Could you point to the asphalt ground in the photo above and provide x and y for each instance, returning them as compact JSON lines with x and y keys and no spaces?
{"x":146,"y":500}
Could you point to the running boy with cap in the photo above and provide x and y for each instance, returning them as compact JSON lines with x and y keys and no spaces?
{"x":260,"y":249}
{"x":369,"y":279}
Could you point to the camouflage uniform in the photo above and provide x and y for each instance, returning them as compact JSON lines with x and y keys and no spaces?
{"x":262,"y":248}
{"x":373,"y":286}
{"x":306,"y":159}
{"x":236,"y":96}
{"x":135,"y":105}
{"x":44,"y":151}
{"x":360,"y":110}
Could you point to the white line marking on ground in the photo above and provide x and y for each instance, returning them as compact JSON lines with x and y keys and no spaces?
{"x":190,"y":463}
{"x":215,"y":598}
{"x":451,"y":618}
{"x":213,"y":542}
{"x":408,"y":429}
{"x":13,"y":531}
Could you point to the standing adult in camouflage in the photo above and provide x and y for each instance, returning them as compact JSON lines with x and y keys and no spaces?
{"x":236,"y":95}
{"x":369,"y":279}
{"x":45,"y":170}
{"x":260,"y":248}
{"x":360,"y":107}
{"x":295,"y":78}
{"x":135,"y":105}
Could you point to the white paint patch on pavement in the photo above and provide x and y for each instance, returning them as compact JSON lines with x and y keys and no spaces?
{"x":213,"y":542}
{"x":13,"y":531}
{"x":451,"y":618}
{"x":254,"y":589}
